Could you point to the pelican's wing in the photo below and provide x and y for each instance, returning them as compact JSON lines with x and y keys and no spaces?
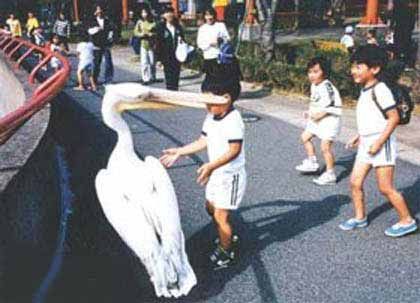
{"x":129,"y":220}
{"x":166,"y":217}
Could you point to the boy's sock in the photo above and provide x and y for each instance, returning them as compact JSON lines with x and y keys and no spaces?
{"x":312,"y":159}
{"x":330,"y":171}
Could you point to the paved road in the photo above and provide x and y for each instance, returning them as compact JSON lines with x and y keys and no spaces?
{"x":291,"y":249}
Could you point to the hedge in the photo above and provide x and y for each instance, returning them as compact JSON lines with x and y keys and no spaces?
{"x":288,"y":70}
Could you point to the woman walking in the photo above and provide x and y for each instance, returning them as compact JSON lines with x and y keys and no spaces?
{"x":145,"y":30}
{"x":209,"y":38}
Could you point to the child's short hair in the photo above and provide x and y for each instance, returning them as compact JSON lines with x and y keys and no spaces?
{"x":372,"y":32}
{"x":54,"y":36}
{"x":211,"y":11}
{"x":371,"y":55}
{"x":323,"y":63}
{"x":168,"y":9}
{"x":84,"y":36}
{"x":220,"y":88}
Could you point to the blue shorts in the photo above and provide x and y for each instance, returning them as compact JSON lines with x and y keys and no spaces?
{"x":88,"y":69}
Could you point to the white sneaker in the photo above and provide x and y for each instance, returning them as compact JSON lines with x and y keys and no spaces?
{"x":327,"y":178}
{"x":308,"y":166}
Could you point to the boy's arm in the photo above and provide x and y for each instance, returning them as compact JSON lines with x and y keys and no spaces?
{"x":319,"y":116}
{"x":206,"y":169}
{"x":172,"y":154}
{"x":393,"y":120}
{"x":194,"y":147}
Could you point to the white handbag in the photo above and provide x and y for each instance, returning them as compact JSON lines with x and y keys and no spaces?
{"x":182,"y":51}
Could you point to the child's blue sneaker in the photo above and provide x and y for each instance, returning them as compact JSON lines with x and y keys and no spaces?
{"x":353,"y":223}
{"x":399,"y":230}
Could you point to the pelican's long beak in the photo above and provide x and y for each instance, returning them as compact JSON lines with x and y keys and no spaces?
{"x":142,"y":97}
{"x":141,"y":104}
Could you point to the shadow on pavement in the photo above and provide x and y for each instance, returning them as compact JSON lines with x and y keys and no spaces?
{"x":257,"y":94}
{"x":255,"y":237}
{"x":411,"y":194}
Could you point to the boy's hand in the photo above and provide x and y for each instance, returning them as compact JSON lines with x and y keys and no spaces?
{"x":375,"y":148}
{"x":354,"y":142}
{"x":169,"y":156}
{"x":204,"y":173}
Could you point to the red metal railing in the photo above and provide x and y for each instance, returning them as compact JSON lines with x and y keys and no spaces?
{"x":43,"y":93}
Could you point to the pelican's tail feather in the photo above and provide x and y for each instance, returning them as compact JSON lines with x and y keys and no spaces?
{"x":181,"y":267}
{"x":128,"y":218}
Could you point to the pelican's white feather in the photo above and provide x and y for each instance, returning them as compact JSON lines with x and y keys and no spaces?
{"x":139,"y":201}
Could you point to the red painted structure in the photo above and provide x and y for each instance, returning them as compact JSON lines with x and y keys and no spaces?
{"x":43,"y":93}
{"x":372,"y":13}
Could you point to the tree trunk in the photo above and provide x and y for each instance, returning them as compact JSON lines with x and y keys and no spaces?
{"x":267,"y":30}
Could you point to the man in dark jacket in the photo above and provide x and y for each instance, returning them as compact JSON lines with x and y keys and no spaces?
{"x":168,"y":34}
{"x":101,"y":31}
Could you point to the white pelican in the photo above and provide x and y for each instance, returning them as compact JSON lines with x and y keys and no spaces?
{"x":138,"y":197}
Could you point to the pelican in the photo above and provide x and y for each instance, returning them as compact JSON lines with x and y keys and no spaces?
{"x":138,"y":197}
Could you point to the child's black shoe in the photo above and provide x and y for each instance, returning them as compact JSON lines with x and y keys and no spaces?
{"x":221,"y":258}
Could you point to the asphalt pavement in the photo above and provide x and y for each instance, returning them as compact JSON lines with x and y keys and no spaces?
{"x":291,"y":248}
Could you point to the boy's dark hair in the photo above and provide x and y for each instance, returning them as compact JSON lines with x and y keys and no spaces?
{"x":84,"y":36}
{"x":168,"y":9}
{"x":323,"y":63}
{"x":371,"y":55}
{"x":211,"y":11}
{"x":53,"y":36}
{"x":220,"y":88}
{"x":372,"y":32}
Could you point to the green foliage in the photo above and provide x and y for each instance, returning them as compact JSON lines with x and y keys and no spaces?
{"x":288,"y":70}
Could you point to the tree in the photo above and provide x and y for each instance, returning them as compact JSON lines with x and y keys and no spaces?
{"x":266,"y":12}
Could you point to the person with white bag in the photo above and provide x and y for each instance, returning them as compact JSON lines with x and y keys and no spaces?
{"x":169,"y":33}
{"x":209,"y":38}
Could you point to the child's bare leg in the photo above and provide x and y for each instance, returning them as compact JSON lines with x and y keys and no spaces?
{"x":385,"y":177}
{"x":210,"y":209}
{"x":80,"y":80}
{"x":92,"y":82}
{"x":224,"y":228}
{"x":306,"y":138}
{"x":326,"y":148}
{"x":358,"y":176}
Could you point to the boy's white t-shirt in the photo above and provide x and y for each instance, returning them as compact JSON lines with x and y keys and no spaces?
{"x":370,"y":119}
{"x":325,"y":98}
{"x":85,"y":50}
{"x":347,"y":41}
{"x":219,"y":132}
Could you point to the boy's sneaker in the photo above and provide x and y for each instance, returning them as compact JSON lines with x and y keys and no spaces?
{"x":327,"y":178}
{"x":399,"y":230}
{"x":353,"y":223}
{"x":235,"y":241}
{"x":308,"y":166}
{"x":221,"y":258}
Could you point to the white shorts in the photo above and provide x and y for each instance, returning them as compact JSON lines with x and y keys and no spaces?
{"x":385,"y":157}
{"x":326,"y":129}
{"x":226,"y":190}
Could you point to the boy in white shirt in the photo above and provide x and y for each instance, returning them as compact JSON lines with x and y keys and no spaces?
{"x":224,"y":174}
{"x":324,"y":121}
{"x":377,"y":118}
{"x":55,"y":47}
{"x":85,"y":50}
